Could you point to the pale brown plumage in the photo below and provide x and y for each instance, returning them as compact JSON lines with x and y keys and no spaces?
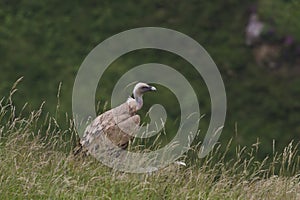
{"x":116,"y":124}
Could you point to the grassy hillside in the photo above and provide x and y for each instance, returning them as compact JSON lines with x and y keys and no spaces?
{"x":39,"y":172}
{"x":37,"y":167}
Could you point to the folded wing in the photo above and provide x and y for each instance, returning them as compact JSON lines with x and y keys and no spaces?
{"x":118,"y":125}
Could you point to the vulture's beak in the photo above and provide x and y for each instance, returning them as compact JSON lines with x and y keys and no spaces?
{"x":151,"y":88}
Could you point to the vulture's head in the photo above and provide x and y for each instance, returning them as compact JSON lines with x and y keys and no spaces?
{"x":141,"y":88}
{"x":138,"y":92}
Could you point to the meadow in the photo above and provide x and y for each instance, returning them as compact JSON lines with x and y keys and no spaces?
{"x":36,"y":162}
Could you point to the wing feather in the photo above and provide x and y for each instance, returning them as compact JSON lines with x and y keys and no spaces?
{"x":117,"y":125}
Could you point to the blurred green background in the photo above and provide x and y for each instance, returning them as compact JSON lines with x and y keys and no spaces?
{"x":46,"y":42}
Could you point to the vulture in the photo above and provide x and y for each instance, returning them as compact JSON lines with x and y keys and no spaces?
{"x":118,"y":125}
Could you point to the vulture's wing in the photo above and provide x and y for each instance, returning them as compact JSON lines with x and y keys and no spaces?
{"x":115,"y":125}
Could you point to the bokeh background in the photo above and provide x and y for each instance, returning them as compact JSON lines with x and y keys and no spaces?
{"x":45,"y":42}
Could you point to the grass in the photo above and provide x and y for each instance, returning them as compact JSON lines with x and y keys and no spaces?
{"x":37,"y":163}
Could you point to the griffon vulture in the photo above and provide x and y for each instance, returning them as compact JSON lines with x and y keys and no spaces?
{"x":114,"y":124}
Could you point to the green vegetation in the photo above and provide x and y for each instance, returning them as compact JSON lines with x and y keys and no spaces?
{"x":283,"y":15}
{"x":37,"y":163}
{"x":46,"y":41}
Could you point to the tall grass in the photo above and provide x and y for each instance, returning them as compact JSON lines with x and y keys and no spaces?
{"x":36,"y":162}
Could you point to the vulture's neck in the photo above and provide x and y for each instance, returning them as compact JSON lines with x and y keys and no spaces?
{"x":139,"y":100}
